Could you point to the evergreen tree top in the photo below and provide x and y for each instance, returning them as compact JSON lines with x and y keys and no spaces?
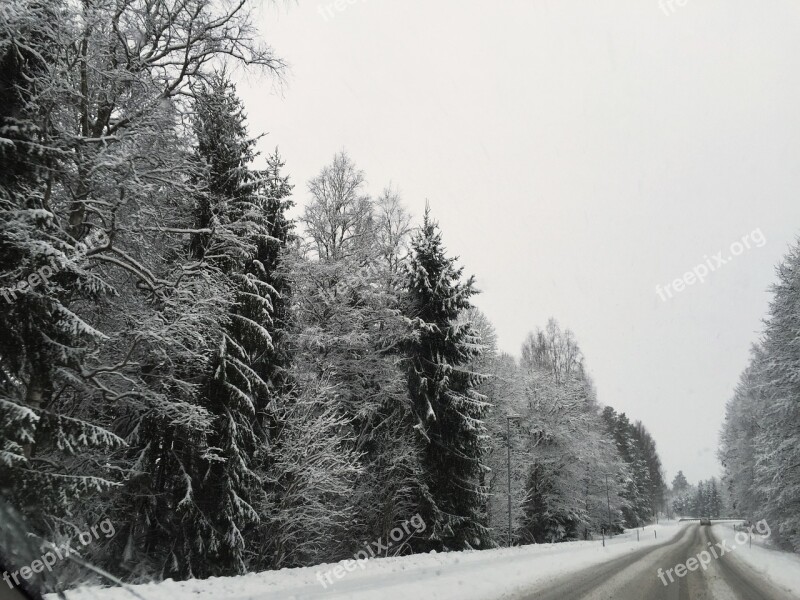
{"x":434,"y":278}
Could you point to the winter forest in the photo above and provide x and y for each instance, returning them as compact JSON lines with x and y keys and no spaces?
{"x":241,"y":390}
{"x":760,"y":439}
{"x":244,"y":372}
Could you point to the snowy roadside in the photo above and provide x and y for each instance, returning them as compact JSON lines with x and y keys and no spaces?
{"x":781,"y":568}
{"x":474,"y":575}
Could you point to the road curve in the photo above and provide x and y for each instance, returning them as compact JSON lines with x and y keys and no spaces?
{"x":636,"y":576}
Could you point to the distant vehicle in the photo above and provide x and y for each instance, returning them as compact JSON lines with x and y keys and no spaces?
{"x":705,"y":521}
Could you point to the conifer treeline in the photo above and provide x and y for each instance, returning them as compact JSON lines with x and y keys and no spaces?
{"x":760,"y":439}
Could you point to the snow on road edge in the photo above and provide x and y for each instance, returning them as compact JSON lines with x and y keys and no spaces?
{"x":473,"y":575}
{"x":780,"y":568}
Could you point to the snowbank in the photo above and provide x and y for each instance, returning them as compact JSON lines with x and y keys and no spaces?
{"x":474,"y":575}
{"x":782,"y":569}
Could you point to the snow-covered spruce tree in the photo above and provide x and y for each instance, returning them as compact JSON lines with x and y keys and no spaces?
{"x":448,"y":406}
{"x":275,"y":368}
{"x":231,"y":205}
{"x":271,"y":251}
{"x":43,"y":343}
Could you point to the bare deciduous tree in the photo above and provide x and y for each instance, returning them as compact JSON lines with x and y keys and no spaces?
{"x":393,"y":228}
{"x":339,"y":218}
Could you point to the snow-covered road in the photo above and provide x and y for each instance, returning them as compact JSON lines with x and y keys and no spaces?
{"x":702,"y":563}
{"x":626,"y":568}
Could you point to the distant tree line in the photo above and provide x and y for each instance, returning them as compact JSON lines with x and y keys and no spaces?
{"x":706,"y":499}
{"x":577,"y":468}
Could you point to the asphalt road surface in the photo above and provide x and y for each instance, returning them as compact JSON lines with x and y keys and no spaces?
{"x":636,"y":576}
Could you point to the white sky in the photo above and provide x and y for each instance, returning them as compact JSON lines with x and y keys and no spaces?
{"x":576,"y":154}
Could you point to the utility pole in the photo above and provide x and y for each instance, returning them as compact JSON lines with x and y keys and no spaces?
{"x":608,"y":501}
{"x":508,"y":445}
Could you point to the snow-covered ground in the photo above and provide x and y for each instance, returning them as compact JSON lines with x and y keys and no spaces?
{"x":782,"y":569}
{"x":475,"y":575}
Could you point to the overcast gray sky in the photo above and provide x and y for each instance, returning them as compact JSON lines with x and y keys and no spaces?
{"x":576,"y":154}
